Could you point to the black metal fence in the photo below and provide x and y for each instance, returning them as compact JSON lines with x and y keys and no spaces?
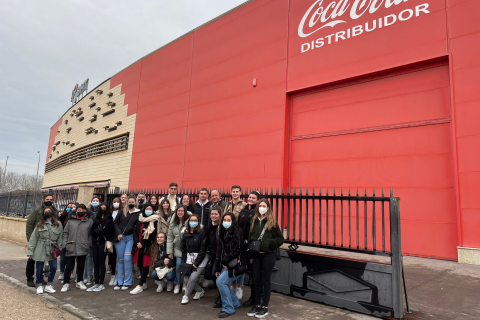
{"x":20,"y":204}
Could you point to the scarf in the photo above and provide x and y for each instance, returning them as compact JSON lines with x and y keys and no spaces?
{"x":151,"y":227}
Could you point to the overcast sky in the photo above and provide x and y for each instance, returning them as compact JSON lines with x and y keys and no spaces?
{"x":48,"y":46}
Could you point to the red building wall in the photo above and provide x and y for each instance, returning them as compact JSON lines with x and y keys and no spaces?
{"x":200,"y":121}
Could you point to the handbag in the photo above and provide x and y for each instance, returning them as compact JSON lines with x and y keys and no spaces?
{"x":108,"y":246}
{"x":185,"y":269}
{"x":209,"y":272}
{"x":56,"y":252}
{"x":238,"y":269}
{"x":162,"y":271}
{"x":254,"y":246}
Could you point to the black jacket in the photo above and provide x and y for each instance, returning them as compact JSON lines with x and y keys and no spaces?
{"x":103,"y":230}
{"x":229,"y":246}
{"x":159,"y":254}
{"x":203,"y":212}
{"x":125,"y":223}
{"x":271,"y":240}
{"x":146,"y":243}
{"x":194,"y":243}
{"x":245,"y":219}
{"x":212,"y":234}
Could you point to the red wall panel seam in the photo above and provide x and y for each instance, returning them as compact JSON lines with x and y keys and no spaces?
{"x":286,"y":133}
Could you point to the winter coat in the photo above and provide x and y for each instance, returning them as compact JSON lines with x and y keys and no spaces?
{"x":157,"y":257}
{"x":92,"y":212}
{"x":194,"y":243}
{"x":146,"y":243}
{"x":235,"y":208}
{"x":164,"y":225}
{"x":174,"y":237}
{"x":102,"y":231}
{"x":230,"y":246}
{"x":212,"y":235}
{"x":77,"y":237}
{"x":34,"y":218}
{"x":173,"y":204}
{"x":220,"y":203}
{"x":271,"y":240}
{"x":124,"y":224}
{"x":245,"y":219}
{"x":203,"y":212}
{"x":41,"y":242}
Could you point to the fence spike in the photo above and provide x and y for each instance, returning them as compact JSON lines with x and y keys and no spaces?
{"x":294,"y":191}
{"x":334,"y":191}
{"x":341,"y":191}
{"x":327,"y":191}
{"x":349,"y":194}
{"x":365,"y":191}
{"x":300,"y":191}
{"x":319,"y":191}
{"x":306,"y":191}
{"x":374,"y":191}
{"x":391,"y":193}
{"x":313,"y":191}
{"x":357,"y":191}
{"x":383,"y":195}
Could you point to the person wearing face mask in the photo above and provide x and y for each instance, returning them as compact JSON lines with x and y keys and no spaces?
{"x":77,"y":240}
{"x":101,"y":232}
{"x":174,"y":242}
{"x":45,"y":237}
{"x":144,"y":236}
{"x":92,"y":213}
{"x":141,"y":201}
{"x":194,"y":252}
{"x":264,"y":228}
{"x":230,"y":243}
{"x":33,"y":219}
{"x":165,"y":214}
{"x":244,"y":221}
{"x":124,"y":225}
{"x":160,"y":259}
{"x":212,"y":235}
{"x":115,"y":208}
{"x":70,"y":209}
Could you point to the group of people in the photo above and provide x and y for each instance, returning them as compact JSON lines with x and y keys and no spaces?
{"x":167,"y":238}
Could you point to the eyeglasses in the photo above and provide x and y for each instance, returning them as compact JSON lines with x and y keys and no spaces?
{"x":173,"y":188}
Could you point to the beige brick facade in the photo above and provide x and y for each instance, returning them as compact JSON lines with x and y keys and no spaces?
{"x":112,"y":166}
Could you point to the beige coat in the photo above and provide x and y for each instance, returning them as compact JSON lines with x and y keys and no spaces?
{"x":239,"y":205}
{"x":163,"y":225}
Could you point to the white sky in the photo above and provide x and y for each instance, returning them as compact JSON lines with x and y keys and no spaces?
{"x":48,"y":46}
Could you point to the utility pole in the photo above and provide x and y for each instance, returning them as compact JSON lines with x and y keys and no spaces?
{"x":36,"y":180}
{"x":5,"y":173}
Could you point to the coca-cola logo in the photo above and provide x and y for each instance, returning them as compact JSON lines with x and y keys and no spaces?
{"x":319,"y":16}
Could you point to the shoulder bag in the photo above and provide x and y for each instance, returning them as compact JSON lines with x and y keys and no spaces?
{"x":186,"y":268}
{"x":56,"y":252}
{"x":254,"y":246}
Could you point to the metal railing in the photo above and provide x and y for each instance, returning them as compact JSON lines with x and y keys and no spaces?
{"x":21,"y":204}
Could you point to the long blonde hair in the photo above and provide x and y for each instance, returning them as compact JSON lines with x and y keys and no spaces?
{"x":126,"y":208}
{"x":271,"y":221}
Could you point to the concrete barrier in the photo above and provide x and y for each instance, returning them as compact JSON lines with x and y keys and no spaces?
{"x":13,"y":229}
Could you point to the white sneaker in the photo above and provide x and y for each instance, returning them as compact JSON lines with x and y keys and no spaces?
{"x":185,"y":300}
{"x":198,"y":295}
{"x":39,"y":290}
{"x":169,"y":286}
{"x":65,"y":287}
{"x":49,"y":289}
{"x":113,"y":280}
{"x":161,"y":285}
{"x":144,"y":286}
{"x":95,"y":286}
{"x":206,"y":283}
{"x":99,"y":288}
{"x":116,"y":288}
{"x":239,"y":293}
{"x":184,"y":288}
{"x":125,"y":288}
{"x":137,"y":290}
{"x":81,"y":285}
{"x":89,"y":281}
{"x":61,"y":277}
{"x":177,"y":289}
{"x":109,"y":269}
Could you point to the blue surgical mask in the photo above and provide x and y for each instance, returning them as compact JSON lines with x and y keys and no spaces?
{"x":73,"y":209}
{"x":148,"y":212}
{"x":193,"y":224}
{"x":95,"y":204}
{"x":68,"y":210}
{"x":226,"y":225}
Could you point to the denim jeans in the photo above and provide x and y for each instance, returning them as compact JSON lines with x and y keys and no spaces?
{"x":125,"y":261}
{"x":89,"y":265}
{"x":178,"y":275}
{"x":169,"y":276}
{"x":53,"y":268}
{"x":239,"y":282}
{"x":229,"y":299}
{"x":63,"y":261}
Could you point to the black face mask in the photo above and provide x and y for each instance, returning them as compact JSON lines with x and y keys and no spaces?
{"x":102,"y":211}
{"x":131,"y":206}
{"x":81,"y":214}
{"x":48,"y":203}
{"x":140,"y":201}
{"x":48,"y":214}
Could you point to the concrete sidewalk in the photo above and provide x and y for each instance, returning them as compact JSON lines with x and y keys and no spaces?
{"x":437,"y":290}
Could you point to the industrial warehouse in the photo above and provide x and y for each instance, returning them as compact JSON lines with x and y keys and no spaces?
{"x":294,"y":94}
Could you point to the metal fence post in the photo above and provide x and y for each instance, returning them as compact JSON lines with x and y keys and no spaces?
{"x":8,"y":203}
{"x":25,"y":202}
{"x":396,"y":247}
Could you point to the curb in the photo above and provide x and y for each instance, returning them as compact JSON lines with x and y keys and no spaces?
{"x":84,"y":315}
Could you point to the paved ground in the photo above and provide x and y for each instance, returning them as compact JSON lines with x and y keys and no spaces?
{"x":437,"y":290}
{"x":37,"y":308}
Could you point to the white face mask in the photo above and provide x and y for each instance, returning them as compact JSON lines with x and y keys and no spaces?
{"x":262,"y":210}
{"x":116,"y":205}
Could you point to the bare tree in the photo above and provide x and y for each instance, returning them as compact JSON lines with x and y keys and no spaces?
{"x":14,"y":181}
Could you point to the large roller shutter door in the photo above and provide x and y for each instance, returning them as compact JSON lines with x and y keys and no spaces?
{"x":391,"y":131}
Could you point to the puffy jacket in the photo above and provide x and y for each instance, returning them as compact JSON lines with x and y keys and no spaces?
{"x":194,"y":243}
{"x":158,"y":256}
{"x":271,"y":240}
{"x":203,"y":212}
{"x":77,"y":237}
{"x":235,"y":207}
{"x":41,"y":240}
{"x":34,"y":218}
{"x":174,"y":237}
